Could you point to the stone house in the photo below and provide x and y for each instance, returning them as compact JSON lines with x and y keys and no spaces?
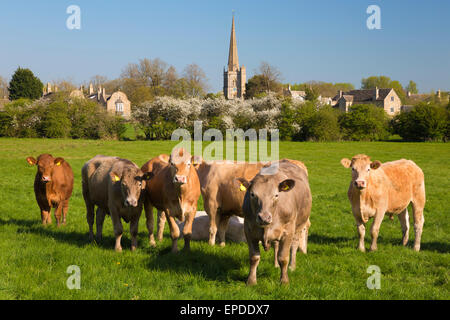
{"x":116,"y":103}
{"x":384,"y":98}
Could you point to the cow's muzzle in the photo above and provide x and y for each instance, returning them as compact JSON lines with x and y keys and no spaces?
{"x":130,"y":203}
{"x":180,"y":179}
{"x":264,"y":219}
{"x":46,"y":179}
{"x":360,"y":184}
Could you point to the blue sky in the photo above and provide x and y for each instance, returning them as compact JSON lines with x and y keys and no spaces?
{"x":306,"y":40}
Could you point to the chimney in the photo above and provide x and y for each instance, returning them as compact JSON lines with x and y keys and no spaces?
{"x":340,"y":93}
{"x":408,"y":94}
{"x":438,"y":93}
{"x":49,"y":88}
{"x":104,"y":94}
{"x":56,"y":89}
{"x":99,"y":92}
{"x":377,"y":93}
{"x":91,"y":89}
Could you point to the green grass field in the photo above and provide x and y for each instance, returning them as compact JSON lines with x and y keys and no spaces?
{"x":34,"y":259}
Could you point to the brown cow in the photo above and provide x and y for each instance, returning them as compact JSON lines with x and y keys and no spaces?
{"x":277,"y":206}
{"x":53,"y":186}
{"x":115,"y":186}
{"x":378,"y":188}
{"x":174,"y":191}
{"x":223,"y":195}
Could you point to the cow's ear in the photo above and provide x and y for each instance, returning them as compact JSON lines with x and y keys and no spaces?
{"x":148,"y":175}
{"x":114,"y":176}
{"x":59,"y":161}
{"x":196,"y":160}
{"x":286,"y":185}
{"x":164,"y":158}
{"x":32,"y":161}
{"x":242,"y":183}
{"x":346,"y":162}
{"x":375,"y":164}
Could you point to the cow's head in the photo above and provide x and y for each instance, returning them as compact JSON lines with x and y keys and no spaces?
{"x":361,"y":168}
{"x":132,"y":182}
{"x":263,"y":194}
{"x":45,"y":163}
{"x":180,"y":163}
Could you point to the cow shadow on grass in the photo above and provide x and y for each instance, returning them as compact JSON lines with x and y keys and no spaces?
{"x":61,"y":234}
{"x":433,"y":246}
{"x":216,"y":266}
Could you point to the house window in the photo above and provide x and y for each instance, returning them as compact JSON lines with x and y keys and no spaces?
{"x":392,"y":110}
{"x":119,"y":107}
{"x":392,"y":98}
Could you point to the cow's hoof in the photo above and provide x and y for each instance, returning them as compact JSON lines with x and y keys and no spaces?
{"x":251,"y":282}
{"x":133,"y":248}
{"x":222,"y":244}
{"x":118,"y":249}
{"x":284,"y":282}
{"x":417,"y":248}
{"x":292,"y":268}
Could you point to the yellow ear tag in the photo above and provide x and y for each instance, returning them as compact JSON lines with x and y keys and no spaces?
{"x":30,"y":162}
{"x":116,"y":178}
{"x":242,"y":188}
{"x":58,"y":163}
{"x":285,"y":188}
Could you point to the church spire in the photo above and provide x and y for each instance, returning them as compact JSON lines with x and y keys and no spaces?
{"x":233,"y":60}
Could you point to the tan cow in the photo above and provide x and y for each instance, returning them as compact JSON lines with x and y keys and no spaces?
{"x":222,"y":197}
{"x":115,"y":186}
{"x":53,"y":185}
{"x":377,"y":189}
{"x":174,"y":191}
{"x":222,"y":194}
{"x":277,"y":206}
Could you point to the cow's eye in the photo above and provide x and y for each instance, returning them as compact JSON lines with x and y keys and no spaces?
{"x":252,"y":194}
{"x":368,"y":169}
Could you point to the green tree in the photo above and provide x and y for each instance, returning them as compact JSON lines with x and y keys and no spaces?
{"x":364,"y":122}
{"x":412,"y":87}
{"x":24,"y":84}
{"x":425,"y":122}
{"x":255,"y":86}
{"x":375,"y":81}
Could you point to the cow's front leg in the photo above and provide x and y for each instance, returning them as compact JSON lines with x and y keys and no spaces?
{"x":222,"y":229}
{"x":134,"y":224}
{"x":255,"y":257}
{"x":58,"y":214}
{"x":174,"y":232}
{"x":283,"y":258}
{"x":45,"y":214}
{"x":362,"y":232}
{"x":149,"y":221}
{"x":375,"y":229}
{"x":160,"y":227}
{"x":276,"y":247}
{"x":118,"y":229}
{"x":187,"y":230}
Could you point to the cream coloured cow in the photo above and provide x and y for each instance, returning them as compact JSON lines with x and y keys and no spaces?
{"x":377,"y":189}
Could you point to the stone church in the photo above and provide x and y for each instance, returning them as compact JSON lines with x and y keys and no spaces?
{"x":234,"y":77}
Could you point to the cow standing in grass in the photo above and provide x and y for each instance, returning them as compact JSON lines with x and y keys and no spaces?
{"x":377,"y":189}
{"x":115,"y":186}
{"x":174,"y":190}
{"x":53,"y":185}
{"x":277,"y":206}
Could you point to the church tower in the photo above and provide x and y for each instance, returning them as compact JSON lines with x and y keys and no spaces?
{"x":234,"y":78}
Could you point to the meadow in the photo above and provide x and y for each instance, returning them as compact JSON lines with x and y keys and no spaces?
{"x":34,"y":259}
